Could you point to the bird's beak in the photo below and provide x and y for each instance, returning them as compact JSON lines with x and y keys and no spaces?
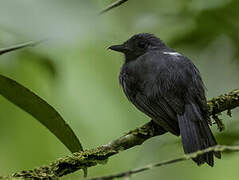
{"x":119,"y":48}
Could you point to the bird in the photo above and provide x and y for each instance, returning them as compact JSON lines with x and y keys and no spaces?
{"x":167,"y":87}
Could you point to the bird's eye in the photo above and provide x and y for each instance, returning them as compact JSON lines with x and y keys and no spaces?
{"x":142,"y":44}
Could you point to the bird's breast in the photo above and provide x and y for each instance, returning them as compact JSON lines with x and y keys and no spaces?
{"x":130,"y":82}
{"x":137,"y":76}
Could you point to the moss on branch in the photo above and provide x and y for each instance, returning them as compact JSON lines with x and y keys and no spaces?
{"x":99,"y":155}
{"x":224,"y":102}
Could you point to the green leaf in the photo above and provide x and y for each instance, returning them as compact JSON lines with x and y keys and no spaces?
{"x":19,"y":46}
{"x":41,"y":110}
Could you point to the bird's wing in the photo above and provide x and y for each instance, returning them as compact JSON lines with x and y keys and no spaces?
{"x":172,"y":82}
{"x":159,"y":110}
{"x":181,"y":84}
{"x":140,"y":100}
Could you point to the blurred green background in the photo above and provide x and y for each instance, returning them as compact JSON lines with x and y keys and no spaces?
{"x":75,"y":73}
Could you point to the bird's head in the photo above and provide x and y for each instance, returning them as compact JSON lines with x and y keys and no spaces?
{"x":138,"y":45}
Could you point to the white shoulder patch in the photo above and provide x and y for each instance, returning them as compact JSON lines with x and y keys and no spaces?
{"x":173,"y":53}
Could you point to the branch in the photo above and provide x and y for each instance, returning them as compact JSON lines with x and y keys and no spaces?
{"x":99,"y":155}
{"x":114,"y":5}
{"x":217,"y":148}
{"x":224,"y":102}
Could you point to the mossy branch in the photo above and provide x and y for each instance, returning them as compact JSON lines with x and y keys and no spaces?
{"x":99,"y":155}
{"x":218,"y":148}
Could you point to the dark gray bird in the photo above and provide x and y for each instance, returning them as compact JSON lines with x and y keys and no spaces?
{"x":167,"y":87}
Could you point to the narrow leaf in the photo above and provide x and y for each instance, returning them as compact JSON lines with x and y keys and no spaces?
{"x":41,"y":110}
{"x":19,"y":46}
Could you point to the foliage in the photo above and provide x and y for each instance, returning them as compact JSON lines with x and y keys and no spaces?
{"x":75,"y":73}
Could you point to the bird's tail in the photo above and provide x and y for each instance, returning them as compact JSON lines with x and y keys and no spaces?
{"x":196,"y":134}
